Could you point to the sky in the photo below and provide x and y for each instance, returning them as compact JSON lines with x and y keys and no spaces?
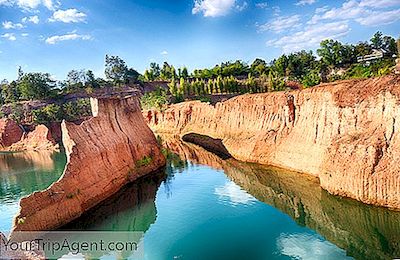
{"x":56,"y":36}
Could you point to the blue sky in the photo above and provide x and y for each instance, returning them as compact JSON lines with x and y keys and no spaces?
{"x":56,"y":36}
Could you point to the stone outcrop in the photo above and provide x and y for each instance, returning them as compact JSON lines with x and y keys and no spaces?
{"x":365,"y":232}
{"x":345,"y":133}
{"x":14,"y":137}
{"x":40,"y":138}
{"x":104,"y":153}
{"x":10,"y":133}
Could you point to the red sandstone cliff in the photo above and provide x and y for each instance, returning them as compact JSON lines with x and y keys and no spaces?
{"x":14,"y":138}
{"x":345,"y":133}
{"x":103,"y":154}
{"x":39,"y":139}
{"x":10,"y":133}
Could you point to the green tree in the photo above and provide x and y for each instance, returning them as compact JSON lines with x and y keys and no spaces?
{"x":184,"y":73}
{"x":36,"y":86}
{"x":9,"y":92}
{"x":258,"y":67}
{"x":115,"y":69}
{"x":377,"y":40}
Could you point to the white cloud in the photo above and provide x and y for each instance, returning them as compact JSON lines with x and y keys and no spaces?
{"x":262,"y":5}
{"x":321,"y":9}
{"x":305,"y":2}
{"x":67,"y":37}
{"x":308,"y":246}
{"x":24,"y":34}
{"x":280,"y":24}
{"x":380,"y":18}
{"x":311,"y":36}
{"x":276,"y":10}
{"x":164,"y":53}
{"x":28,"y":4}
{"x":379,"y":3}
{"x":68,"y":16}
{"x":9,"y":36}
{"x":213,"y":8}
{"x":364,"y":12}
{"x":232,"y":192}
{"x":11,"y":25}
{"x":33,"y":19}
{"x":242,"y":7}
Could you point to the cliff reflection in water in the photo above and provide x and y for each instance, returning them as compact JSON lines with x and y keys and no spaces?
{"x":131,"y":209}
{"x":25,"y":172}
{"x":364,"y":231}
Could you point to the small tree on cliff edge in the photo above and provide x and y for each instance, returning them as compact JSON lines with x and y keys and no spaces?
{"x":115,"y":69}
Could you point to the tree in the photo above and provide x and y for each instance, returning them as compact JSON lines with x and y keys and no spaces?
{"x":91,"y":80}
{"x":115,"y":69}
{"x":184,"y":73}
{"x":36,"y":86}
{"x":76,"y":80}
{"x":335,"y":53}
{"x":362,"y":49}
{"x":167,"y":72}
{"x":389,"y":45}
{"x":131,"y":76}
{"x":258,"y":67}
{"x":9,"y":92}
{"x":377,"y":40}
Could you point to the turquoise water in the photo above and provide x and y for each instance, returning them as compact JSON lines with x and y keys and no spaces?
{"x":23,"y":173}
{"x":201,"y":207}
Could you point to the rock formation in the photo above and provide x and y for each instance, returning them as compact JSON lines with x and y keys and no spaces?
{"x":104,"y":153}
{"x":14,"y":138}
{"x":345,"y":133}
{"x":10,"y":132}
{"x":365,"y":232}
{"x":39,"y":139}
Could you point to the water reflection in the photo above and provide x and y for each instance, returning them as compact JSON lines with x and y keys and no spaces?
{"x":130,"y":209}
{"x":364,"y":231}
{"x":23,"y":173}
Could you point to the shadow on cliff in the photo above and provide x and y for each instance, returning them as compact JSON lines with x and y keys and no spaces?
{"x":210,"y":144}
{"x":131,"y":209}
{"x":364,"y":231}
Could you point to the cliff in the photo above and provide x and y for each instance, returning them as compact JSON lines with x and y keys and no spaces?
{"x":104,"y":153}
{"x":13,"y":137}
{"x":10,"y":132}
{"x":345,"y":133}
{"x":365,"y":232}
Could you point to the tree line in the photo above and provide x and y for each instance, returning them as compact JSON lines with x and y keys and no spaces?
{"x":303,"y":67}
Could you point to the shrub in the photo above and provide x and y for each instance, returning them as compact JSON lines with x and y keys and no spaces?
{"x":156,"y":99}
{"x":144,"y":161}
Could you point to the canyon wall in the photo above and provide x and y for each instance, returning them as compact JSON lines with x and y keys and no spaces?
{"x":345,"y":133}
{"x":104,"y":153}
{"x":13,"y":137}
{"x":10,"y":133}
{"x":365,"y":232}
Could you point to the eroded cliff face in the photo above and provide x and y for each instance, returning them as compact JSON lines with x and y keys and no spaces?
{"x":14,"y":138}
{"x":10,"y":133}
{"x":345,"y":133}
{"x":39,"y":139}
{"x":365,"y":232}
{"x":103,"y":154}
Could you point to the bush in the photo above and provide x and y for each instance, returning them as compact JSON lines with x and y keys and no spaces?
{"x":156,"y":99}
{"x":49,"y":113}
{"x":76,"y":110}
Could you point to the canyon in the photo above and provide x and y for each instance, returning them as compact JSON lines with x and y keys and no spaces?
{"x":345,"y":133}
{"x":301,"y":197}
{"x":104,"y":153}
